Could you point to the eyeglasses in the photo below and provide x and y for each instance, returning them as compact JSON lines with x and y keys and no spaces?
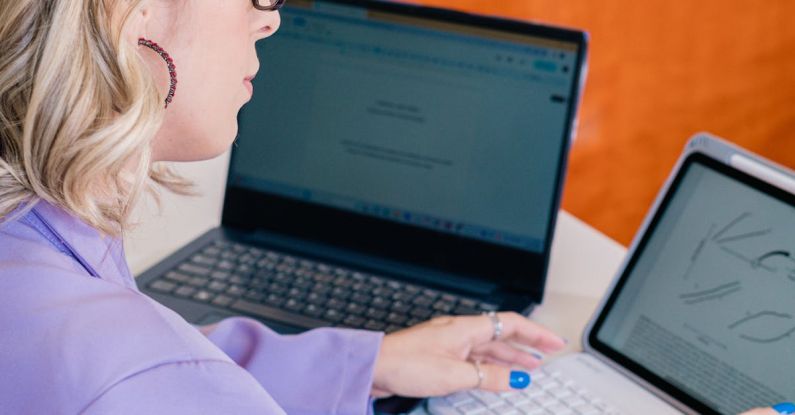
{"x":268,"y":5}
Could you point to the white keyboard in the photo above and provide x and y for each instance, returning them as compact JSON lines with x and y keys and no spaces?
{"x":549,"y":393}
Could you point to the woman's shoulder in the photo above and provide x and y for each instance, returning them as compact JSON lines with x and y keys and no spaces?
{"x":69,"y":336}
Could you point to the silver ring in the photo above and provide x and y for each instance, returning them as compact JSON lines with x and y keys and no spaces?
{"x":497,"y":323}
{"x":481,"y":375}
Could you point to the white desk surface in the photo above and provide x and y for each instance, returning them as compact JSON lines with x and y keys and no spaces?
{"x":582,"y":266}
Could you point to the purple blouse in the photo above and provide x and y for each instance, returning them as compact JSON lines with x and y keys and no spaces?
{"x":73,"y":343}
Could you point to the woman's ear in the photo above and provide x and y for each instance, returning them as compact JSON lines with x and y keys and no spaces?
{"x":137,"y":24}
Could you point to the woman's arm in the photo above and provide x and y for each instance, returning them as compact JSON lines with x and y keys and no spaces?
{"x":321,"y":371}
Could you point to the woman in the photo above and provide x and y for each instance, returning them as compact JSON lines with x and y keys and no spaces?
{"x":92,"y":93}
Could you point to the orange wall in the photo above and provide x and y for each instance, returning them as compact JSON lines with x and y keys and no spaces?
{"x":661,"y":70}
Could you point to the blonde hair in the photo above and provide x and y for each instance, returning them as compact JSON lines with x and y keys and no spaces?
{"x":78,"y":111}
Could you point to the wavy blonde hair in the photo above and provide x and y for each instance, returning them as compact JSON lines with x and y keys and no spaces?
{"x":78,"y":111}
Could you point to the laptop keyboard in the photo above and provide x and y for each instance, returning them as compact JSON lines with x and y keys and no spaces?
{"x":550,"y":393}
{"x":298,"y":291}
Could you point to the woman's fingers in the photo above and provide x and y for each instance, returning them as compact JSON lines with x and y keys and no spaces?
{"x":517,"y":328}
{"x":498,"y":378}
{"x":505,"y":353}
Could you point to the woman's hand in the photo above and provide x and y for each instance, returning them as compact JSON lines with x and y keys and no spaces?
{"x":435,"y":358}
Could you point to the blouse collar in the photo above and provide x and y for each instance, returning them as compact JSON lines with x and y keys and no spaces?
{"x":101,"y":253}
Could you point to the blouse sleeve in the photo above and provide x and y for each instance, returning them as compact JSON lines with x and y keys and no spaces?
{"x":195,"y":387}
{"x":327,"y":371}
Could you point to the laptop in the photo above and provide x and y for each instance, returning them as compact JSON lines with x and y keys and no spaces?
{"x":700,"y":319}
{"x":396,"y":162}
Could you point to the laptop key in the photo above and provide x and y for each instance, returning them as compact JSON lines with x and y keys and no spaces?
{"x":321,"y":289}
{"x":335,"y":304}
{"x":220,"y":275}
{"x":293,"y":305}
{"x":420,"y":312}
{"x":343,"y":282}
{"x":315,"y":298}
{"x":303,"y":283}
{"x":163,"y":286}
{"x":354,"y":321}
{"x":380,"y":302}
{"x":430,"y":293}
{"x":203,"y":296}
{"x":217,"y":286}
{"x":449,"y":298}
{"x":258,"y":283}
{"x":228,"y":256}
{"x":465,"y":311}
{"x":313,"y":310}
{"x":413,"y":322}
{"x":203,"y":260}
{"x":400,"y":307}
{"x":185,"y":291}
{"x":374,"y":325}
{"x":211,"y":251}
{"x":392,"y":328}
{"x":339,"y":292}
{"x":274,"y":300}
{"x":177,"y":276}
{"x":355,"y":309}
{"x":332,"y":315}
{"x":223,"y":300}
{"x":277,"y":288}
{"x":423,"y":300}
{"x":361,"y":298}
{"x":443,"y":306}
{"x":237,"y":279}
{"x":361,"y":287}
{"x":411,"y":289}
{"x":226,"y":265}
{"x":235,"y":291}
{"x":402,"y":296}
{"x":295,"y":293}
{"x":198,"y":281}
{"x":395,"y":318}
{"x":383,"y":292}
{"x":375,"y":314}
{"x":254,"y":295}
{"x":278,"y":315}
{"x":194,"y":269}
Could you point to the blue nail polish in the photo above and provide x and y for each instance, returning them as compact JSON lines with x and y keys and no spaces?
{"x":519,"y":379}
{"x":784,"y":408}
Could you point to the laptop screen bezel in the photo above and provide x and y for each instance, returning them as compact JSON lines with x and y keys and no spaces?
{"x":623,"y":361}
{"x":511,"y":270}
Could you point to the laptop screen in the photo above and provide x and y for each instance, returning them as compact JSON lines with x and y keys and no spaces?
{"x":705,"y":307}
{"x":443,"y":126}
{"x":432,"y":139}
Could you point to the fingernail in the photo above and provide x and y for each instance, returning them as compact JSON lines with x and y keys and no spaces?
{"x":519,"y":379}
{"x":565,"y":340}
{"x":785,"y":408}
{"x":538,"y":356}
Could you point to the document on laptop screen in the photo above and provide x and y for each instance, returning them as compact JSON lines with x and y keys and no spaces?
{"x":435,"y":125}
{"x":709,"y":305}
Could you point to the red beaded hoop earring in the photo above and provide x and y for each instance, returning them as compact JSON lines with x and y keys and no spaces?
{"x":172,"y":69}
